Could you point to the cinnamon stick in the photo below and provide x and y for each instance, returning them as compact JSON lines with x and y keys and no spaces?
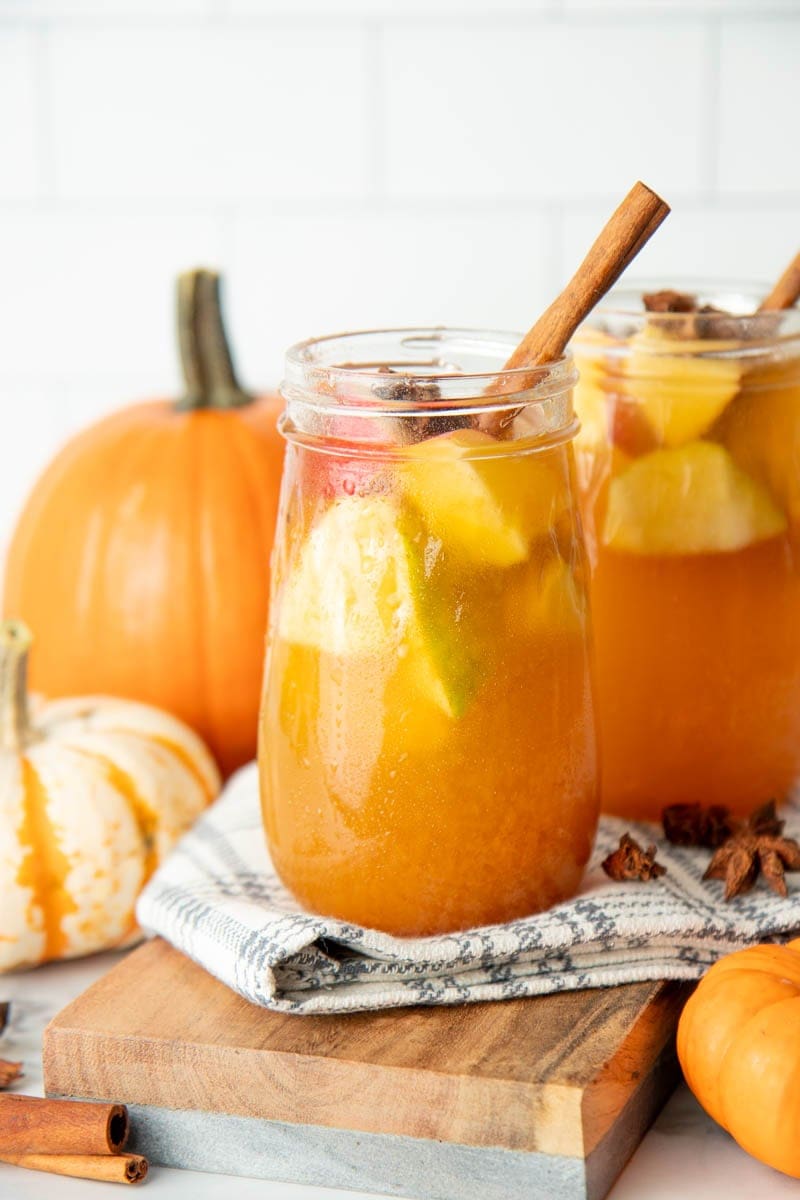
{"x":30,"y":1125}
{"x":630,"y":227}
{"x":786,"y":291}
{"x":107,"y":1168}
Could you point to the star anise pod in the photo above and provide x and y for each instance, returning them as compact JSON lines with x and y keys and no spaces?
{"x":755,"y":848}
{"x":409,"y":391}
{"x":695,"y":825}
{"x":630,"y":861}
{"x":699,"y":320}
{"x":669,"y":301}
{"x":765,"y":820}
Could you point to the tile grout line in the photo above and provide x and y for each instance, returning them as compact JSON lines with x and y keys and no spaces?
{"x":709,"y":140}
{"x":44,"y":112}
{"x":219,"y":13}
{"x":374,"y":51}
{"x":305,"y":204}
{"x":553,"y":268}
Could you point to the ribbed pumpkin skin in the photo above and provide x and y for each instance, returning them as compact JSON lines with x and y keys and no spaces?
{"x":97,"y":796}
{"x":141,"y":560}
{"x":739,"y":1047}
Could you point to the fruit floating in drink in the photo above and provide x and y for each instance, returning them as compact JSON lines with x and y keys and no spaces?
{"x":427,"y":742}
{"x":689,"y":465}
{"x":427,"y":749}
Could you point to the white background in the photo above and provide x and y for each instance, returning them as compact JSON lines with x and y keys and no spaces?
{"x":354,"y":163}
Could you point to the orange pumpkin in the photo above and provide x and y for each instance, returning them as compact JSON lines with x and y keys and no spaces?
{"x":142,"y":556}
{"x":739,"y":1046}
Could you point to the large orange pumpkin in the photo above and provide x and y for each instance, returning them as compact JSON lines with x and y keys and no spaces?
{"x":739,"y":1046}
{"x":141,"y":557}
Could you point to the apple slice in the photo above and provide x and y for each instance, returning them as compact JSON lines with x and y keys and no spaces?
{"x":693,"y":499}
{"x":546,"y":601}
{"x":607,"y":412}
{"x":590,"y":409}
{"x":680,"y":395}
{"x":483,"y":504}
{"x":762,"y":431}
{"x":360,"y":590}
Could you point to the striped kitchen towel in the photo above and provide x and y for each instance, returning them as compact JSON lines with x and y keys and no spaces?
{"x":218,"y":899}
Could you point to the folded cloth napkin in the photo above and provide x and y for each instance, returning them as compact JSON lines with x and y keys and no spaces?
{"x":217,"y":898}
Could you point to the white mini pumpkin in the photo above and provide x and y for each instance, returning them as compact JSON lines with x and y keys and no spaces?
{"x":93,"y":792}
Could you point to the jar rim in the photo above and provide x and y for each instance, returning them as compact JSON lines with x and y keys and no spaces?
{"x":320,"y":367}
{"x":739,"y":298}
{"x":737,"y":331}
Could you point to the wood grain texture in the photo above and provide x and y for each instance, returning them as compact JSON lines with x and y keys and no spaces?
{"x":550,"y":1074}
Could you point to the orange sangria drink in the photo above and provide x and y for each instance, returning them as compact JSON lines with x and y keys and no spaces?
{"x":427,"y":751}
{"x":689,"y":465}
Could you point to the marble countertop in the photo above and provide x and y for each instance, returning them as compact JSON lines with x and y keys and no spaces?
{"x":685,"y":1154}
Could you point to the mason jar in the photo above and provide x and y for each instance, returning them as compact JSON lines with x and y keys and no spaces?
{"x":689,"y":467}
{"x":427,"y":750}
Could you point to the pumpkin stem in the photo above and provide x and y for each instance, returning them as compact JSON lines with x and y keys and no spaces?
{"x":15,"y":722}
{"x":209,"y":376}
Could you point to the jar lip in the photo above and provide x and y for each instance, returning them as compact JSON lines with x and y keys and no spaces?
{"x":739,"y":298}
{"x":738,"y":332}
{"x":323,"y":365}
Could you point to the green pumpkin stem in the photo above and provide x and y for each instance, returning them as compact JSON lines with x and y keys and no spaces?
{"x":209,"y":376}
{"x":15,"y":722}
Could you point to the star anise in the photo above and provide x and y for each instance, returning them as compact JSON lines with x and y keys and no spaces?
{"x":756,"y":847}
{"x":630,"y":861}
{"x":410,"y":391}
{"x":669,"y":301}
{"x":695,"y":825}
{"x":699,"y":320}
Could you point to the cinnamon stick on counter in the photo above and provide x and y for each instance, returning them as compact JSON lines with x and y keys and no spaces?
{"x":29,"y":1125}
{"x":108,"y":1168}
{"x":786,"y":291}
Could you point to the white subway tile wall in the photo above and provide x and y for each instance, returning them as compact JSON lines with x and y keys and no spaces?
{"x":357,"y":162}
{"x":19,"y":160}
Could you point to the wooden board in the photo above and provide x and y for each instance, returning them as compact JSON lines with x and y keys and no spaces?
{"x":558,"y":1088}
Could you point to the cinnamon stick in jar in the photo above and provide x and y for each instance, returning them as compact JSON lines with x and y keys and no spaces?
{"x":30,"y":1125}
{"x":106,"y":1168}
{"x":627,"y":231}
{"x":786,"y":291}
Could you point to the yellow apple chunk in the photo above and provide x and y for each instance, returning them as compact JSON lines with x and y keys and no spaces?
{"x":546,"y":601}
{"x":761,"y":429}
{"x":681,"y":395}
{"x":483,"y":502}
{"x":359,"y":590}
{"x":689,"y":500}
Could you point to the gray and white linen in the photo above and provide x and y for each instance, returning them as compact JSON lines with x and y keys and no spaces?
{"x":217,"y":898}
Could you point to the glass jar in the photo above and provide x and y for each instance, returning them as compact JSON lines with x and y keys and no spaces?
{"x":689,"y":467}
{"x":427,"y":751}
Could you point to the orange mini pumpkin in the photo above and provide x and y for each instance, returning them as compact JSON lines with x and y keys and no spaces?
{"x":142,"y":556}
{"x":739,"y":1046}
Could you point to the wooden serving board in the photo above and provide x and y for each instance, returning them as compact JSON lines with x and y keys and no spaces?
{"x":546,"y":1096}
